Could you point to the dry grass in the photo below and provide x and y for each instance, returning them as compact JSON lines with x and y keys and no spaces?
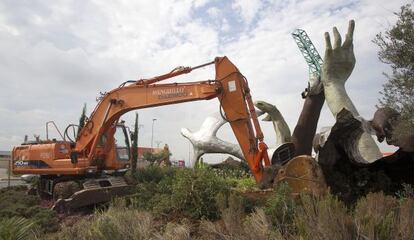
{"x":255,"y":226}
{"x":378,"y":216}
{"x":235,"y":225}
{"x":324,"y":219}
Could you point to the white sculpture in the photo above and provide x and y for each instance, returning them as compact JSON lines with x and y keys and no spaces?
{"x":205,"y":140}
{"x":279,"y":124}
{"x":338,"y":64}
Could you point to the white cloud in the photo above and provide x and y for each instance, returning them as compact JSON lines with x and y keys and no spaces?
{"x":248,"y":9}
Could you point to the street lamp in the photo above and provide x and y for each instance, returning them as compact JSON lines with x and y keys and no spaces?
{"x":152,"y":133}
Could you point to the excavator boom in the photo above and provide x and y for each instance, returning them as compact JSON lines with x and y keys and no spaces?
{"x":229,"y":86}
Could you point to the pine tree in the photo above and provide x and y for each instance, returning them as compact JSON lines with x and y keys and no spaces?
{"x":82,"y":119}
{"x":397,"y":50}
{"x":135,"y":145}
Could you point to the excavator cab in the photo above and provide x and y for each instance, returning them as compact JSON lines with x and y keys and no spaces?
{"x":122,"y":144}
{"x":114,"y":149}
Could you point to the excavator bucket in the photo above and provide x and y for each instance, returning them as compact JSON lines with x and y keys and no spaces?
{"x":303,"y":175}
{"x":94,"y":191}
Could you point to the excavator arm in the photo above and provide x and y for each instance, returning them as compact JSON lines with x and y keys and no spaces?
{"x":229,"y":86}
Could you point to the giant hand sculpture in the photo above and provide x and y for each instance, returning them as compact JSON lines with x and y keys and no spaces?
{"x":205,"y":140}
{"x":279,"y":124}
{"x":338,"y":64}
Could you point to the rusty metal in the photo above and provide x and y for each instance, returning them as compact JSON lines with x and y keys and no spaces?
{"x":303,"y":175}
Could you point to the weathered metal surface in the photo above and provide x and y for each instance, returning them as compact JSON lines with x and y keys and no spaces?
{"x":303,"y":175}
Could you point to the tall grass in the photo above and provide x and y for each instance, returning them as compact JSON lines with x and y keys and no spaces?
{"x":16,"y":228}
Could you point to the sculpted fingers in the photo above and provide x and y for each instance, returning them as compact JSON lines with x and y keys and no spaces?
{"x":337,"y":38}
{"x":328,"y":41}
{"x":350,"y":34}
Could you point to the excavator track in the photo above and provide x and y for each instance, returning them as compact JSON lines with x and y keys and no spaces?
{"x":94,"y":191}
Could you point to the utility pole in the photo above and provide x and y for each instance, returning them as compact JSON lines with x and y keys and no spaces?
{"x":8,"y":174}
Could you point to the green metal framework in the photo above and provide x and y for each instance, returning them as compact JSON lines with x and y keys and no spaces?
{"x":312,"y":57}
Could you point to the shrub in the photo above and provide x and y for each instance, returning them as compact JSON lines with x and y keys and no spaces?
{"x":194,"y":192}
{"x":175,"y":231}
{"x":254,"y":227}
{"x":280,"y":208}
{"x":121,"y":222}
{"x":376,"y":216}
{"x":153,"y":174}
{"x":14,"y":202}
{"x":405,"y":220}
{"x":118,"y":222}
{"x":17,"y":228}
{"x":230,"y":172}
{"x":246,"y":184}
{"x":257,"y":226}
{"x":184,"y":191}
{"x":325,"y":218}
{"x":233,"y":213}
{"x":407,"y":191}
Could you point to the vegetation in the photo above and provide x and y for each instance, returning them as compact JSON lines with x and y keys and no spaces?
{"x":376,"y":216}
{"x":397,"y":49}
{"x":16,"y":228}
{"x":175,"y":203}
{"x":134,"y":147}
{"x":82,"y":119}
{"x":23,"y":212}
{"x":155,"y":158}
{"x":188,"y":192}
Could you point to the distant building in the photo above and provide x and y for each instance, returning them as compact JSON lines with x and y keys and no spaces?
{"x":142,"y":150}
{"x":5,"y":157}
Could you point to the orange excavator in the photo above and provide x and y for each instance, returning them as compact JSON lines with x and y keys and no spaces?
{"x":90,"y":169}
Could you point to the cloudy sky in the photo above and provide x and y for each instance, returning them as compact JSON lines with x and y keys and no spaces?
{"x":57,"y":55}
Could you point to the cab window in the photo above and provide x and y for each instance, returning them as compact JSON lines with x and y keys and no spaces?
{"x":121,"y":144}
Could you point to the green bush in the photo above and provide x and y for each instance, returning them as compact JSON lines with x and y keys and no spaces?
{"x":14,"y":202}
{"x":280,"y":207}
{"x":194,"y":192}
{"x":230,"y":171}
{"x":246,"y":184}
{"x":16,"y":228}
{"x":184,"y":191}
{"x":153,"y":174}
{"x":407,"y":191}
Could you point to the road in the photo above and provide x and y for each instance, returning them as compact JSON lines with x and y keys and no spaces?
{"x":4,"y":179}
